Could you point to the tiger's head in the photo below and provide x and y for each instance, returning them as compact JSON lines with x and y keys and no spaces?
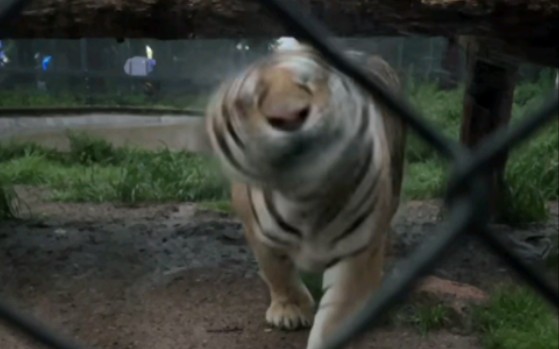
{"x":285,"y":121}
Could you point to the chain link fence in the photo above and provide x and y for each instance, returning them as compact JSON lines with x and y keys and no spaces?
{"x":466,"y":197}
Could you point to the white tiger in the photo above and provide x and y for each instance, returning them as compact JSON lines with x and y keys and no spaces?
{"x":316,"y":167}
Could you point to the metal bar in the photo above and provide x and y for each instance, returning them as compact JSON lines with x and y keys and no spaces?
{"x":34,"y":329}
{"x":533,"y":278}
{"x":461,"y":219}
{"x":495,"y":145}
{"x":307,"y":28}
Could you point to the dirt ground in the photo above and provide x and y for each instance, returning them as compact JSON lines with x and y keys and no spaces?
{"x":173,"y":276}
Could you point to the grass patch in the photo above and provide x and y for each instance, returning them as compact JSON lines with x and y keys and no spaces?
{"x":431,"y":318}
{"x":443,"y":109}
{"x":425,"y":180}
{"x":94,"y":171}
{"x":517,"y":318}
{"x":532,"y":177}
{"x":425,"y":318}
{"x":17,"y":98}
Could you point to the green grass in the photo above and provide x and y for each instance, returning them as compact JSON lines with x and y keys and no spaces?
{"x":425,"y":318}
{"x":514,"y":318}
{"x":431,"y":318}
{"x":443,"y":109}
{"x":23,"y":97}
{"x":517,"y":318}
{"x":95,"y":171}
{"x":532,"y":177}
{"x":425,"y":180}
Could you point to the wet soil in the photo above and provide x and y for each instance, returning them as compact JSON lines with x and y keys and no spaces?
{"x":175,"y":276}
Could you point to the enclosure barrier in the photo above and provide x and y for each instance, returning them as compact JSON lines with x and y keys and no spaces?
{"x":466,"y":197}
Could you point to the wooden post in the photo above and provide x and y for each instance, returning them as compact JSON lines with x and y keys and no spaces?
{"x":487,"y":106}
{"x":451,"y":64}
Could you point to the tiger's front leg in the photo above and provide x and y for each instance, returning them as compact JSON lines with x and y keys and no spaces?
{"x":346,"y":286}
{"x":291,"y":304}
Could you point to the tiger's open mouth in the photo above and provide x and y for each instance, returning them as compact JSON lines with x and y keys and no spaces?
{"x":291,"y":124}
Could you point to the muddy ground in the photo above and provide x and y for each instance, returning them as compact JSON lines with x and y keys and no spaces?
{"x":174,"y":276}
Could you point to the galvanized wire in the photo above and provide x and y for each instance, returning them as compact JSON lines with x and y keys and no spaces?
{"x":34,"y":328}
{"x":467,"y":193}
{"x":306,"y":28}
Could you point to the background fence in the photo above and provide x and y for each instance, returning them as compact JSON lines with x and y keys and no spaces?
{"x":87,"y":71}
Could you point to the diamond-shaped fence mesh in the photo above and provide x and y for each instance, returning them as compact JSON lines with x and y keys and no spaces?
{"x":466,"y":197}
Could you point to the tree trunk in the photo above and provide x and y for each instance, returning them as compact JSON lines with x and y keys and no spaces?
{"x":487,"y":106}
{"x":451,"y":65}
{"x":523,"y":28}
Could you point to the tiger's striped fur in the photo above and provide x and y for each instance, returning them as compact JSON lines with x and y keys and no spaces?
{"x":316,"y":167}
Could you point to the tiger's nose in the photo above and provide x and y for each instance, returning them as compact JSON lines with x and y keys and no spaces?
{"x":287,"y":116}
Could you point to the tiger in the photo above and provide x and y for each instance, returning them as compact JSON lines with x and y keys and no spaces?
{"x":315,"y":165}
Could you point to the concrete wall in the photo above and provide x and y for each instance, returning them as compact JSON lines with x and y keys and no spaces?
{"x":148,"y":132}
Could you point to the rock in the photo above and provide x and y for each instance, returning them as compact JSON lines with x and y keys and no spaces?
{"x":451,"y":291}
{"x":457,"y":297}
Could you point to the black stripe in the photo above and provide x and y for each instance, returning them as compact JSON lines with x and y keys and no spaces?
{"x":362,"y":172}
{"x":362,"y":176}
{"x":257,"y":220}
{"x":333,"y":262}
{"x":346,"y":256}
{"x":332,"y":212}
{"x":245,"y":75}
{"x":361,"y":217}
{"x":278,"y":218}
{"x":359,"y":137}
{"x":227,"y":151}
{"x":231,"y":129}
{"x":349,"y":230}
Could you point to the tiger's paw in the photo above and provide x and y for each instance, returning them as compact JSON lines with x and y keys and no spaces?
{"x":289,"y":315}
